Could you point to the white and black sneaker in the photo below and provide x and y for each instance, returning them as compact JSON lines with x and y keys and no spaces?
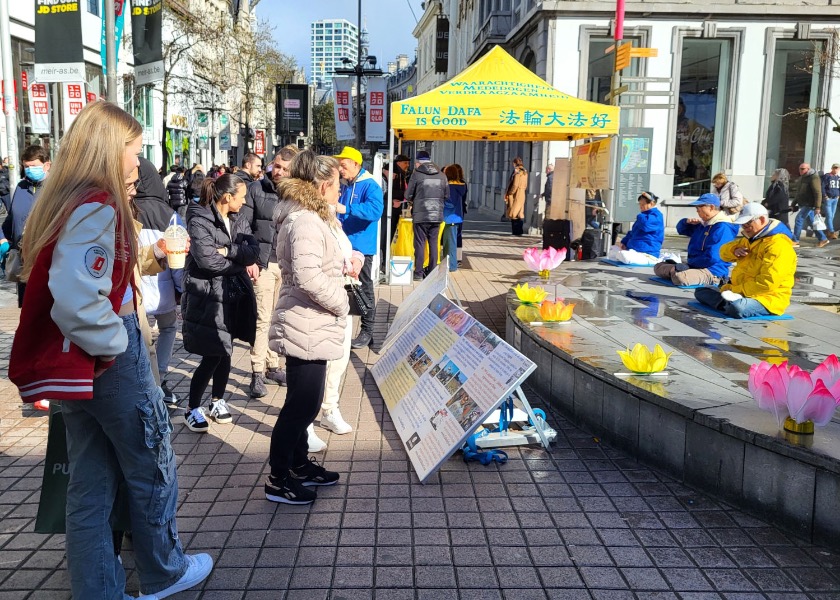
{"x":288,"y":491}
{"x":196,"y":421}
{"x":219,"y":411}
{"x":169,"y":397}
{"x":311,"y":473}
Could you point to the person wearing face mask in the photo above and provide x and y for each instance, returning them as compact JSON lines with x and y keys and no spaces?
{"x":36,"y":165}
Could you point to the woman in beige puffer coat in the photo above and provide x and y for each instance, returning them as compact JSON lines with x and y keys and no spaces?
{"x":308,"y":324}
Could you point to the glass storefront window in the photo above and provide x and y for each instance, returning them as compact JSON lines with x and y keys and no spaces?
{"x":704,"y":86}
{"x":796,"y":87}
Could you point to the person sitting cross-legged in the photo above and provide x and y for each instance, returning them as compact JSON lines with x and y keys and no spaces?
{"x":708,"y":233}
{"x":765,"y":263}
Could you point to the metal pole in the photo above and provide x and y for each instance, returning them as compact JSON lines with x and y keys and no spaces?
{"x":359,"y":81}
{"x":9,"y":93}
{"x":389,"y":208}
{"x":56,"y":103}
{"x":110,"y":51}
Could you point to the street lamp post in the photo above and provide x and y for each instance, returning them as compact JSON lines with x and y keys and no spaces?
{"x":359,"y":71}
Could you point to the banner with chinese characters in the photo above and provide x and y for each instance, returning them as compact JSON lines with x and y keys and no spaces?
{"x":73,"y":101}
{"x":39,"y":107}
{"x":498,"y":99}
{"x":59,"y":54}
{"x":375,"y":123}
{"x":146,"y":37}
{"x":343,"y":87}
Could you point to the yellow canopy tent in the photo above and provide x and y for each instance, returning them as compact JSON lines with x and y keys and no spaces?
{"x":498,"y":99}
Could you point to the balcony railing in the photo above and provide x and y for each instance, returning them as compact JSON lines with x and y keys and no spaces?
{"x":495,"y":29}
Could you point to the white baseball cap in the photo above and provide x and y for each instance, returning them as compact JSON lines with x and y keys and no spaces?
{"x":751,"y":211}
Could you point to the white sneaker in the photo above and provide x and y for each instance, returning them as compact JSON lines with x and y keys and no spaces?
{"x":219,"y":411}
{"x":315,"y":443}
{"x":730,"y":296}
{"x":335,"y":422}
{"x":198,"y":568}
{"x":196,"y":421}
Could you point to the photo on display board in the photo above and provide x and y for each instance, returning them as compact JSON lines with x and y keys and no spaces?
{"x":412,"y":441}
{"x":464,"y":409}
{"x":438,"y":418}
{"x":419,"y":361}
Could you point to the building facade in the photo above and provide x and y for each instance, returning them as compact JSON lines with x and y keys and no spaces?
{"x":741,"y":85}
{"x":331,"y":41}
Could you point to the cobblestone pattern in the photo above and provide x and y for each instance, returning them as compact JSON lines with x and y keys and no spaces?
{"x":581,"y":521}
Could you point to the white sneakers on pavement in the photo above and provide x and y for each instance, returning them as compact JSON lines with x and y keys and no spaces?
{"x":198,"y":568}
{"x":333,"y":421}
{"x":315,"y":443}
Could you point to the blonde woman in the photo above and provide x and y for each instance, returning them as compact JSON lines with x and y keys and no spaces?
{"x":79,"y":342}
{"x":731,"y":198}
{"x":515,"y":196}
{"x":309,"y":324}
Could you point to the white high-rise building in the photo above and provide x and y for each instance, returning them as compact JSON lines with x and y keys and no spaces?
{"x":330,"y":41}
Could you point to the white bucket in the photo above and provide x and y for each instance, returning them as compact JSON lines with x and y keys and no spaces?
{"x":401,"y":270}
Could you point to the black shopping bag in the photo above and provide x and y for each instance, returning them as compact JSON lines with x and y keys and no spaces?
{"x":53,"y":502}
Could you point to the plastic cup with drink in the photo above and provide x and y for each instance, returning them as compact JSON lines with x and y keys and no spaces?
{"x":176,"y":238}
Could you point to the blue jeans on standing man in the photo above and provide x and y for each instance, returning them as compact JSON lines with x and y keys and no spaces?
{"x":829,"y":207}
{"x":122,"y":433}
{"x":806,"y":215}
{"x":737,"y":309}
{"x":449,"y":244}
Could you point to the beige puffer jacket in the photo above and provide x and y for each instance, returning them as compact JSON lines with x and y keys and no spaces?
{"x":311,"y":311}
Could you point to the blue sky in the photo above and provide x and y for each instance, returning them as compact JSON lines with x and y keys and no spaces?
{"x":389,"y":24}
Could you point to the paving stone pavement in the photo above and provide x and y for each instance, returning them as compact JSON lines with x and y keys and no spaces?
{"x":580,"y":521}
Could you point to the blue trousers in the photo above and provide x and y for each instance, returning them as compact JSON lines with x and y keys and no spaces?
{"x":123,"y":432}
{"x":805,"y":215}
{"x":739,"y":309}
{"x":449,"y":244}
{"x":830,"y":207}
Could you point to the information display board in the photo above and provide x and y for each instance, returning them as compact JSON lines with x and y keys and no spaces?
{"x":441,"y":378}
{"x":435,"y":283}
{"x":632,"y":171}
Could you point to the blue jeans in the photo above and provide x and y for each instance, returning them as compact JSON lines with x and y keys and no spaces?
{"x":739,"y":309}
{"x":449,"y":245}
{"x":122,"y":433}
{"x":830,"y":207}
{"x":166,"y":340}
{"x":805,"y":214}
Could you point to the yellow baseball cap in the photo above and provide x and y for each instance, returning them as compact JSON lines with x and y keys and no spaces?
{"x":351,"y":153}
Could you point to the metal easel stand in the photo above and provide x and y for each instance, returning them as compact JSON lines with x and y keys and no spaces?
{"x":539,"y":433}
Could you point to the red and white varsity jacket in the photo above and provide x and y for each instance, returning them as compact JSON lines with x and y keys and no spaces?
{"x":69,"y":315}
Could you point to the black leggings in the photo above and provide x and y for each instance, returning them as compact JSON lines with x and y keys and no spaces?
{"x":305,"y":390}
{"x":215,"y":367}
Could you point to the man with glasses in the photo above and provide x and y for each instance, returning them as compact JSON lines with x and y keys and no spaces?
{"x":765,"y":263}
{"x":258,"y":210}
{"x":809,"y":197}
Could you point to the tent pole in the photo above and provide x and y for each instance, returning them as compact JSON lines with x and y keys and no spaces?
{"x":389,"y":208}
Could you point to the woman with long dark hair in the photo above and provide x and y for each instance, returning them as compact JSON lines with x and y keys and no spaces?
{"x":218,"y":305}
{"x":777,"y":199}
{"x":453,"y":212}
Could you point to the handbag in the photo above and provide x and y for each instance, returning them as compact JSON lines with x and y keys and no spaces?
{"x":14,"y":265}
{"x":358,"y":305}
{"x":818,"y":223}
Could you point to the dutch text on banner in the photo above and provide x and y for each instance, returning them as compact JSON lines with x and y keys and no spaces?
{"x":343,"y":108}
{"x":59,"y":54}
{"x":376,"y":129}
{"x":147,"y":32}
{"x":119,"y":21}
{"x":73,"y":102}
{"x":39,"y":107}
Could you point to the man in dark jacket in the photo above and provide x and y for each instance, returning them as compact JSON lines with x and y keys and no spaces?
{"x":809,"y":197}
{"x":831,"y":192}
{"x":258,"y":211}
{"x":251,"y":167}
{"x":177,"y":190}
{"x":427,"y":191}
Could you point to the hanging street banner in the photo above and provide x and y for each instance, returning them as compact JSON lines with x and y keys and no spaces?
{"x":442,"y":45}
{"x":224,"y":132}
{"x":259,"y":142}
{"x":39,"y":107}
{"x":119,"y":22}
{"x":343,"y":87}
{"x":74,"y":98}
{"x":376,"y":129}
{"x":292,"y":110}
{"x":441,"y":378}
{"x":59,"y":54}
{"x":147,"y":32}
{"x":202,"y":121}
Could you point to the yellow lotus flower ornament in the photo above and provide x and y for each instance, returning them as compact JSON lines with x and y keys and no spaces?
{"x":530,"y":295}
{"x":528,"y":313}
{"x":552,"y":312}
{"x":642,"y":361}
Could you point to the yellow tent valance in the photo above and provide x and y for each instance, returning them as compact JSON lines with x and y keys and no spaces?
{"x":497,"y":98}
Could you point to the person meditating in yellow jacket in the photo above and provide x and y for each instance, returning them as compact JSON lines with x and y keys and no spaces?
{"x":762,"y":279}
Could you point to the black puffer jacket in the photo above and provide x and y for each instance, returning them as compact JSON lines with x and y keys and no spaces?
{"x":258,"y":211}
{"x":177,"y":188}
{"x":218,"y":303}
{"x":427,"y":190}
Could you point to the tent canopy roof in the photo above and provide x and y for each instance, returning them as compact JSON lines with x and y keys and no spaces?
{"x":497,"y":98}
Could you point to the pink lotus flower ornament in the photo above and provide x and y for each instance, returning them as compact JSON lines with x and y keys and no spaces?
{"x":543,"y":261}
{"x":793,"y":394}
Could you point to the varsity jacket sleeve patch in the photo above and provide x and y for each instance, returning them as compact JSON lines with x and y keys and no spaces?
{"x":80,"y":280}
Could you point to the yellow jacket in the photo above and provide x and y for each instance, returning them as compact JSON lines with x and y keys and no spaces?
{"x":766,"y":273}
